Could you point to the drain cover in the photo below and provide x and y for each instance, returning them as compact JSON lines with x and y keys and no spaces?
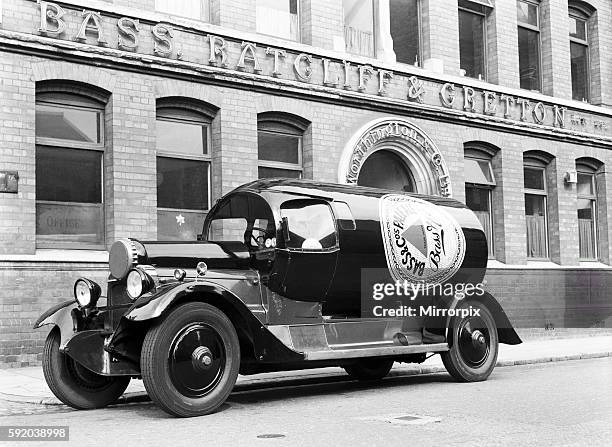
{"x":404,"y":419}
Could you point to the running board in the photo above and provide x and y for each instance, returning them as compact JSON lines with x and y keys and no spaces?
{"x":374,"y":351}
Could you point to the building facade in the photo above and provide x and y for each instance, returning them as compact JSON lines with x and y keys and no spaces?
{"x":130,"y":118}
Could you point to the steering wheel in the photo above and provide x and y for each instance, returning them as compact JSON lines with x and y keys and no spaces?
{"x":260,"y":241}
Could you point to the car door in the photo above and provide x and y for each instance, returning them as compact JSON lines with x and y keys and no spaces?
{"x":306,"y":258}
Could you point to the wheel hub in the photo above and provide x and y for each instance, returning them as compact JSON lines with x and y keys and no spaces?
{"x":202,"y":357}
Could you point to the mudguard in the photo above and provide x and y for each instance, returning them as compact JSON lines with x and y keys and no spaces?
{"x":505,"y":331}
{"x":65,"y":316}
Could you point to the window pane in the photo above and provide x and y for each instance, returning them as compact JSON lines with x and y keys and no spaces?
{"x":56,"y":121}
{"x":478,"y":171}
{"x":527,"y":13}
{"x":472,"y":44}
{"x":580,"y":71}
{"x":195,"y":9}
{"x":586,"y":228}
{"x":182,"y":184}
{"x":404,"y":18}
{"x":182,"y":137}
{"x":278,"y":18}
{"x":479,"y":201}
{"x":585,"y":184}
{"x":534,"y":178}
{"x":278,"y":147}
{"x":535,"y":218}
{"x":311,"y":225}
{"x":529,"y":58}
{"x":179,"y":226}
{"x":578,"y":28}
{"x":359,"y":27}
{"x":276,"y":172}
{"x":64,"y":223}
{"x":68,"y":175}
{"x":229,"y":229}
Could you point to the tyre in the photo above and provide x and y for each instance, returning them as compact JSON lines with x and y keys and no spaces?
{"x":190,"y":360}
{"x":474,"y":345}
{"x":369,"y":369}
{"x":74,"y":384}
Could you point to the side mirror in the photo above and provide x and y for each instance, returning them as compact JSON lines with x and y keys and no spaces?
{"x":285,"y":229}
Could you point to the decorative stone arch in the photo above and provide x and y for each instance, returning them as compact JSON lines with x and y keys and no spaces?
{"x":57,"y":70}
{"x":172,"y":88}
{"x":409,"y":142}
{"x":287,"y":105}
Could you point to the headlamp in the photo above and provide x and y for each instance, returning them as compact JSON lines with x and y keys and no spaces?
{"x":86,"y":293}
{"x":137,"y":283}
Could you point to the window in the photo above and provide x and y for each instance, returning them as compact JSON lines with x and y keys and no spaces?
{"x":69,"y":153}
{"x":309,"y":225}
{"x":587,"y":212}
{"x":183,"y":170}
{"x":405,"y":30}
{"x":528,"y":16}
{"x":479,"y":183}
{"x":579,"y":53}
{"x":472,"y":44}
{"x":278,"y":18}
{"x":194,"y":9}
{"x":536,"y":217}
{"x":359,"y":27}
{"x":279,"y":145}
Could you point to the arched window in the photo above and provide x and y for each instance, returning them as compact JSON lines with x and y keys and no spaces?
{"x":279,"y":144}
{"x":69,"y":172}
{"x":536,"y":203}
{"x":183,"y":167}
{"x":587,"y":206}
{"x":479,"y":185}
{"x":579,"y":34}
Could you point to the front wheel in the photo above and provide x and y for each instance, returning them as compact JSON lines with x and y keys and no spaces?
{"x":190,"y":360}
{"x":474,"y":344}
{"x":74,"y":384}
{"x":369,"y":369}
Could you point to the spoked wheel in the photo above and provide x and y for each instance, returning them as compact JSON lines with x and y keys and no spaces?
{"x":474,"y":345}
{"x":190,"y":360}
{"x":369,"y":369}
{"x":74,"y":384}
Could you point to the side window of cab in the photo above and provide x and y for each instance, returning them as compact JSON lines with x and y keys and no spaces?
{"x":308,"y":225}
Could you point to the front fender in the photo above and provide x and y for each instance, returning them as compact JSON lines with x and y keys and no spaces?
{"x":64,"y":316}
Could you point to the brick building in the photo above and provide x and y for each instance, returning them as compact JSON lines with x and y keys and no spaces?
{"x":129,"y":118}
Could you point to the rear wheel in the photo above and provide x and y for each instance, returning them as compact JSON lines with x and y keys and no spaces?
{"x":474,"y":345}
{"x":74,"y":384}
{"x":190,"y":360}
{"x":369,"y":369}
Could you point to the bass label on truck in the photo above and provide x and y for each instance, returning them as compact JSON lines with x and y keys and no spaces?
{"x":423,"y":243}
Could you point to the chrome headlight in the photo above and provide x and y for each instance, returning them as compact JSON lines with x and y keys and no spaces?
{"x":122,"y":257}
{"x":137,"y":283}
{"x":86,"y":292}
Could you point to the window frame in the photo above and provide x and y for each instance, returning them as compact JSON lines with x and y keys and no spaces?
{"x":299,"y":25}
{"x":208,"y":8}
{"x":375,"y":27}
{"x":312,"y":201}
{"x":280,"y":123}
{"x":63,"y":98}
{"x":575,"y":13}
{"x":475,"y":154}
{"x":420,"y":39}
{"x":483,"y":13}
{"x":581,"y":169}
{"x":538,"y":30}
{"x":532,"y":164}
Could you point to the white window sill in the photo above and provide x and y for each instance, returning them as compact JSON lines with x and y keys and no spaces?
{"x":54,"y":255}
{"x":535,"y":265}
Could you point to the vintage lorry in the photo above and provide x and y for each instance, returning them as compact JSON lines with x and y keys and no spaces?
{"x":276,"y":282}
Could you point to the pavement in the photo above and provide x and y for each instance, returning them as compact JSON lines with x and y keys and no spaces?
{"x":27,"y":385}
